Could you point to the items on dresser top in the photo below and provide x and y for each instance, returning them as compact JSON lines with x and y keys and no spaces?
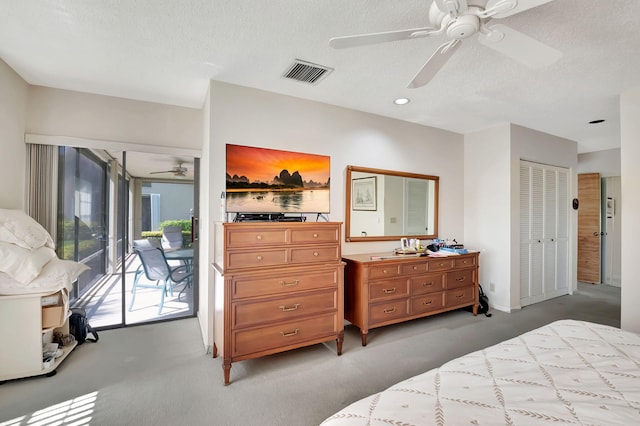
{"x":280,"y":287}
{"x":382,"y":289}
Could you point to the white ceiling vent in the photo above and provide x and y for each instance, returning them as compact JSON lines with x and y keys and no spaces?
{"x":306,"y":72}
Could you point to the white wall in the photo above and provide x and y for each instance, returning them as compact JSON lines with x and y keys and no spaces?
{"x":487,"y":171}
{"x":67,"y":113}
{"x":253,"y":117}
{"x":606,"y":162}
{"x":492,"y":208}
{"x":630,"y":177}
{"x":13,"y":117}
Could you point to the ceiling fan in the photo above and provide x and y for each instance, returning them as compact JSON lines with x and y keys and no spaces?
{"x":177,"y":170}
{"x":458,"y":20}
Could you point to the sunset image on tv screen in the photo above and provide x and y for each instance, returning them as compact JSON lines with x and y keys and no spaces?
{"x":262,"y":180}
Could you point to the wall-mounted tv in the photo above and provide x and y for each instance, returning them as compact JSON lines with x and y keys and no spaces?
{"x":262,"y":180}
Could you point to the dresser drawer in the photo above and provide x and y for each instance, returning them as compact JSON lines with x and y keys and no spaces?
{"x":256,"y":258}
{"x":457,"y":279}
{"x":255,"y":237}
{"x":459,"y":296}
{"x":464,"y":262}
{"x":389,"y":289}
{"x":413,"y":268}
{"x":440,"y":265}
{"x":315,"y":254}
{"x":252,"y":285}
{"x":427,"y":283}
{"x":282,"y":335}
{"x":383,"y":271}
{"x":427,"y":302}
{"x":388,"y":311}
{"x":246,"y":314}
{"x":315,"y":235}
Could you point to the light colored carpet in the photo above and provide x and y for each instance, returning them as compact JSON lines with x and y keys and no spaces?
{"x":159,"y":374}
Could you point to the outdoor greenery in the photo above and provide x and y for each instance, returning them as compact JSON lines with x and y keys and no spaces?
{"x":87,"y":241}
{"x":184,"y":224}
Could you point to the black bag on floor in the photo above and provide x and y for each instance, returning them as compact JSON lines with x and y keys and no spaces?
{"x":79,"y":326}
{"x":483,"y":301}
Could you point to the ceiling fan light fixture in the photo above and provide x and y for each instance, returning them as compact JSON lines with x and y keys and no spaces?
{"x":402,"y":101}
{"x":463,"y":26}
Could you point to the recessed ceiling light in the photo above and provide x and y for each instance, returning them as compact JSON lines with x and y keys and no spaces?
{"x":401,"y":101}
{"x":596,"y":121}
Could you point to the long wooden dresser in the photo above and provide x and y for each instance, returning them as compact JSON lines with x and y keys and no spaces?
{"x":382,"y":289}
{"x":282,"y":288}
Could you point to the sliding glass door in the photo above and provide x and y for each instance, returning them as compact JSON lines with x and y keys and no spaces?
{"x":102,"y":209}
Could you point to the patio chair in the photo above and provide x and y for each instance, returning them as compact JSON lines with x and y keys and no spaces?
{"x":157,"y":270}
{"x":144,"y":244}
{"x":172,"y":238}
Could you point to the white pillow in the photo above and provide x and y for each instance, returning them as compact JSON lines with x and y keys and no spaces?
{"x":23,"y":264}
{"x":56,"y":275}
{"x":60,"y":273}
{"x":19,"y":228}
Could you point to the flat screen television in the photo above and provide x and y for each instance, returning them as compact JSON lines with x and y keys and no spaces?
{"x":262,"y":180}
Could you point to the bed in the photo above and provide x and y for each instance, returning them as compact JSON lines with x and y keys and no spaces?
{"x":566,"y":372}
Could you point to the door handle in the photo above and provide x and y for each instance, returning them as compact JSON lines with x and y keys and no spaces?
{"x":595,"y":234}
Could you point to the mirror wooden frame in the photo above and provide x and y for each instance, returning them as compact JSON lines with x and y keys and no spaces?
{"x":348,"y":204}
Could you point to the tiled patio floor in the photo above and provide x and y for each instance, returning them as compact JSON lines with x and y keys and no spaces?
{"x":103,"y":302}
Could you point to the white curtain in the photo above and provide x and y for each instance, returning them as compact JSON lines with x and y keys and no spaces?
{"x":42,"y":185}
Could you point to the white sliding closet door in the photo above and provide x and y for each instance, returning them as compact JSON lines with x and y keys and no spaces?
{"x":544,"y":232}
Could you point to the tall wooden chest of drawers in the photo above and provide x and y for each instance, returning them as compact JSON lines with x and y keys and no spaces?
{"x":282,"y":288}
{"x":380,"y":290}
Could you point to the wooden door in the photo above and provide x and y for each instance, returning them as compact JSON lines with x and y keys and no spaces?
{"x":589,"y":232}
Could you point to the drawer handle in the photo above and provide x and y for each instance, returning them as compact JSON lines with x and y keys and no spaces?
{"x":427,"y":284}
{"x":428,"y":302}
{"x":441,"y":264}
{"x":460,"y":279}
{"x":384,"y":271}
{"x":258,"y":237}
{"x":258,"y":257}
{"x":289,"y":284}
{"x":316,"y":254}
{"x":315,"y":235}
{"x":289,"y":334}
{"x":415,"y":268}
{"x":389,"y":290}
{"x":389,"y":311}
{"x":289,"y":308}
{"x":460,"y":295}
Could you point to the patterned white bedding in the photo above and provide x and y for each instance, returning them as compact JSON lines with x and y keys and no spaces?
{"x":567,"y":372}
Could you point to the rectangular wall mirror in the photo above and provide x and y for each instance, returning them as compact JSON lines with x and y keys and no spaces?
{"x":384,"y":205}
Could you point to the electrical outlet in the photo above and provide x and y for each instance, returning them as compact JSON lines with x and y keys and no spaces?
{"x":492,"y":286}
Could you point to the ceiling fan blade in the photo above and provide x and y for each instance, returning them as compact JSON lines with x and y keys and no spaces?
{"x":382,"y":37}
{"x":519,"y":46}
{"x":433,"y":65}
{"x":164,"y":171}
{"x":504,"y":8}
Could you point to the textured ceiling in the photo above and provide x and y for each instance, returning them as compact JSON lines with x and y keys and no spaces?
{"x":166,"y":51}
